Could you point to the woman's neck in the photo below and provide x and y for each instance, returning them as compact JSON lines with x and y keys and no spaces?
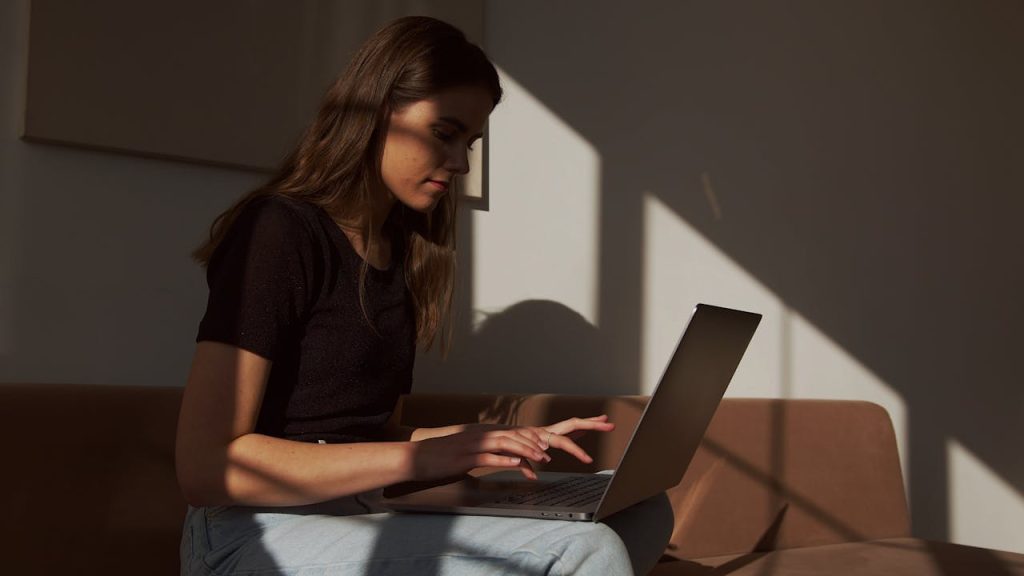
{"x":365,"y":231}
{"x":367,"y":224}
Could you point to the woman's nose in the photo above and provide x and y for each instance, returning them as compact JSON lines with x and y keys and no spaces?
{"x":458,"y":161}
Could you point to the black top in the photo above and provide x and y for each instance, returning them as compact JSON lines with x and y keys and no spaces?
{"x":284,"y":283}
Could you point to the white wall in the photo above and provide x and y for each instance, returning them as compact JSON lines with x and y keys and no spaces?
{"x":852,"y":170}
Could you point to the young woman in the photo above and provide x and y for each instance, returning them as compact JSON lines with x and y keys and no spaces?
{"x":322,"y":284}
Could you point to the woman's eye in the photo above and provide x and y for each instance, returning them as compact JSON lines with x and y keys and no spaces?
{"x":442,"y":135}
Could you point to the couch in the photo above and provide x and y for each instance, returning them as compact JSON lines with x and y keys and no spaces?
{"x":778,"y":487}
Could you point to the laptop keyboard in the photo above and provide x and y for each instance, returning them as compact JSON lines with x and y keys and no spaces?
{"x":573,"y":491}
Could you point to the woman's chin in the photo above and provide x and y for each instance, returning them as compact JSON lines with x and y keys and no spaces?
{"x":423,"y":205}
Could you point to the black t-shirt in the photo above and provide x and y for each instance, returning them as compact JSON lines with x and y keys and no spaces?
{"x":284,"y":283}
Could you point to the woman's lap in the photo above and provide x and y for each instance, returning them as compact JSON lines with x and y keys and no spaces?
{"x":306,"y":541}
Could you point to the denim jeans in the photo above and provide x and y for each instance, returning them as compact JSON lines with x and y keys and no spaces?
{"x":341,"y":538}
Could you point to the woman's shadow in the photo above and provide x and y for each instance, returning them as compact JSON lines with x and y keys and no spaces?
{"x":534,"y":346}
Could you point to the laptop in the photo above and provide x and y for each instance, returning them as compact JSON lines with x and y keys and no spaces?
{"x":663,"y":442}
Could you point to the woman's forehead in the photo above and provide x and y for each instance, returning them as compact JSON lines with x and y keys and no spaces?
{"x":466,"y":108}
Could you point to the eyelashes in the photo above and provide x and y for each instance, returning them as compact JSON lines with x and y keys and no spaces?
{"x":447,"y":137}
{"x":442,"y":135}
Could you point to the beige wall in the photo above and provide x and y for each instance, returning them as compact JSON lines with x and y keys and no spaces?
{"x":853,"y":170}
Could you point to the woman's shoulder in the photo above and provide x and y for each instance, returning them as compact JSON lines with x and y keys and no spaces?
{"x":269,"y":224}
{"x":280,"y":217}
{"x":275,"y":207}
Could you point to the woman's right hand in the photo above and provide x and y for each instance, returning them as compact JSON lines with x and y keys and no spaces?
{"x":476,"y":447}
{"x":452,"y":451}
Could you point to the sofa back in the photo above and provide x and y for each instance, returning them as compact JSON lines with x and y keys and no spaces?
{"x":770,"y":474}
{"x":89,"y":483}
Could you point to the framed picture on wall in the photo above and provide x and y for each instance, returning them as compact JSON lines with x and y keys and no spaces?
{"x":230,"y":83}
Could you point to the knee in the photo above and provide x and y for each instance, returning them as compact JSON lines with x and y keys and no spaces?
{"x":601,"y":536}
{"x":595,"y":548}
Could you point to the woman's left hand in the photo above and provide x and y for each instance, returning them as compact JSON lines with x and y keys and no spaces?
{"x":561,"y":434}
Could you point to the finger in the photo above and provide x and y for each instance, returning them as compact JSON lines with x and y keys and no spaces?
{"x":538,"y":436}
{"x":530,"y":437}
{"x":593,"y":422}
{"x":527,"y":469}
{"x":566,"y":444}
{"x":486,"y":459}
{"x":528,"y":433}
{"x":598,"y":423}
{"x":512,"y":444}
{"x":608,"y":427}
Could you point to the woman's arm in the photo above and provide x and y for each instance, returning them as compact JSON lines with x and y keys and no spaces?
{"x":220,"y":460}
{"x":395,"y":431}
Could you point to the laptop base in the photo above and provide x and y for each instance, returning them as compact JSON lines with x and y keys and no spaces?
{"x":479,"y":496}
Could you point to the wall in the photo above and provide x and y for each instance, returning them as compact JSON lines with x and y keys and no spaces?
{"x":96,"y":285}
{"x":852,"y":170}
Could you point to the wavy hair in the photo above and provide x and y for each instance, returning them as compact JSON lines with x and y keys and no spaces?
{"x":337,"y":162}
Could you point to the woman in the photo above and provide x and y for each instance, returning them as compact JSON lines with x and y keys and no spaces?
{"x":322,"y":284}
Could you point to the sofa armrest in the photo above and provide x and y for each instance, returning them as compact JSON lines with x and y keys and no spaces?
{"x":90,"y":484}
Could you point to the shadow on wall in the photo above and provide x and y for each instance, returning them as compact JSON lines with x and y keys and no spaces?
{"x":867,"y":165}
{"x":534,"y":346}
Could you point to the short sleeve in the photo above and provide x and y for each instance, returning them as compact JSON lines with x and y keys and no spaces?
{"x":259,"y":278}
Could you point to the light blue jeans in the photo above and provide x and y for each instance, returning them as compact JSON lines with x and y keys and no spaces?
{"x":342,"y":538}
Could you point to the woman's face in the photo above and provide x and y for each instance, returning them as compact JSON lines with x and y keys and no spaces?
{"x":428,"y":143}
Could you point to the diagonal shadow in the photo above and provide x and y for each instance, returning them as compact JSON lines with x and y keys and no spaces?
{"x":841,"y":151}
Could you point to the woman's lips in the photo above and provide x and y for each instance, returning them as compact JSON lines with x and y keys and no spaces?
{"x":442,"y":186}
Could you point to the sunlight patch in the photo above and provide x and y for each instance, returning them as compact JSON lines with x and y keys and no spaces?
{"x":544,"y":192}
{"x":984,"y":509}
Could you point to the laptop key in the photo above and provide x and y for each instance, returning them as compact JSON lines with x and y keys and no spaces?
{"x":575,"y":491}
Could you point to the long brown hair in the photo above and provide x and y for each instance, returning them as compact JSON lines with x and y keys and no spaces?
{"x":336,"y":164}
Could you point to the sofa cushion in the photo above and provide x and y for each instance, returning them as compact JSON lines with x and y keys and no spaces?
{"x":891,"y":557}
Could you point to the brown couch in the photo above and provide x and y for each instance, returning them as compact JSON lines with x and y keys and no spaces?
{"x":778,"y":487}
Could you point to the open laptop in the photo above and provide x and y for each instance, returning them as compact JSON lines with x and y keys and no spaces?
{"x":663,"y":443}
